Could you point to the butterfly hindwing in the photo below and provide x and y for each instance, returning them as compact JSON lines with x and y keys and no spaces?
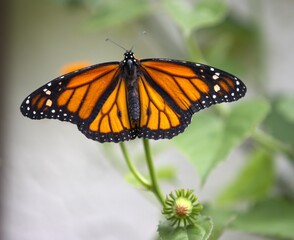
{"x":158,"y":119}
{"x":111,"y":123}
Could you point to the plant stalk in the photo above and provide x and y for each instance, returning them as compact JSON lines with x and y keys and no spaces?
{"x":133,"y":169}
{"x":154,"y":183}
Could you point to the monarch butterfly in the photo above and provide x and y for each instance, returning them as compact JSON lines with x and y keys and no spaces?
{"x":146,"y":98}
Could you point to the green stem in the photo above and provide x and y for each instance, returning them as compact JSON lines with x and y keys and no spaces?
{"x":272,"y":144}
{"x":154,"y":183}
{"x":133,"y":169}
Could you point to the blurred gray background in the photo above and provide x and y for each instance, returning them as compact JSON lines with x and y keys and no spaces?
{"x":57,"y":184}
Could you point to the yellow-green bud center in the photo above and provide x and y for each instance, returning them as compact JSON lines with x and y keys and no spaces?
{"x":182,"y":207}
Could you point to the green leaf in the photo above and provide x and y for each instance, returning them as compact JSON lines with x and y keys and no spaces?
{"x":191,"y":16}
{"x":254,"y":181}
{"x":199,"y":143}
{"x":223,"y":45}
{"x":221,"y":219}
{"x":200,"y":231}
{"x":210,"y":139}
{"x":273,"y":218}
{"x":279,"y":122}
{"x":285,"y":107}
{"x":112,"y":13}
{"x":166,"y":173}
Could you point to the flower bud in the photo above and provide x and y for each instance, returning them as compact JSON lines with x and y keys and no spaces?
{"x":182,"y":208}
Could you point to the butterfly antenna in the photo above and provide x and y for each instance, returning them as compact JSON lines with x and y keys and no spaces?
{"x":137,"y":39}
{"x":109,"y":40}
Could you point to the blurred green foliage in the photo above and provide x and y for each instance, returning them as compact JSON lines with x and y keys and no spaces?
{"x":260,"y":167}
{"x":209,"y":13}
{"x":271,"y":217}
{"x":280,"y":121}
{"x":211,"y":32}
{"x":207,"y":146}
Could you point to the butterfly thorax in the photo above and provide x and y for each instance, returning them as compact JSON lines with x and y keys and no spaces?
{"x":130,"y":72}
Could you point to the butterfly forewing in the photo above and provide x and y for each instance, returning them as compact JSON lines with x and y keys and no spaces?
{"x":72,"y":97}
{"x":192,"y":86}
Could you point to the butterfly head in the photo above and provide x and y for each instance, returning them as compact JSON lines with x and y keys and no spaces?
{"x":129,"y":55}
{"x":129,"y":62}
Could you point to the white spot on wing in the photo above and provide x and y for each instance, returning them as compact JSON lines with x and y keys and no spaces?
{"x":48,"y":103}
{"x":215,"y":77}
{"x":216,"y":87}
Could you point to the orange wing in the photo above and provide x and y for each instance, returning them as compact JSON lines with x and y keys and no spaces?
{"x":88,"y":98}
{"x":111,"y":123}
{"x":172,"y":90}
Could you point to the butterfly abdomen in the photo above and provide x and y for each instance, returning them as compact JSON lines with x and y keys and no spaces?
{"x":133,"y":105}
